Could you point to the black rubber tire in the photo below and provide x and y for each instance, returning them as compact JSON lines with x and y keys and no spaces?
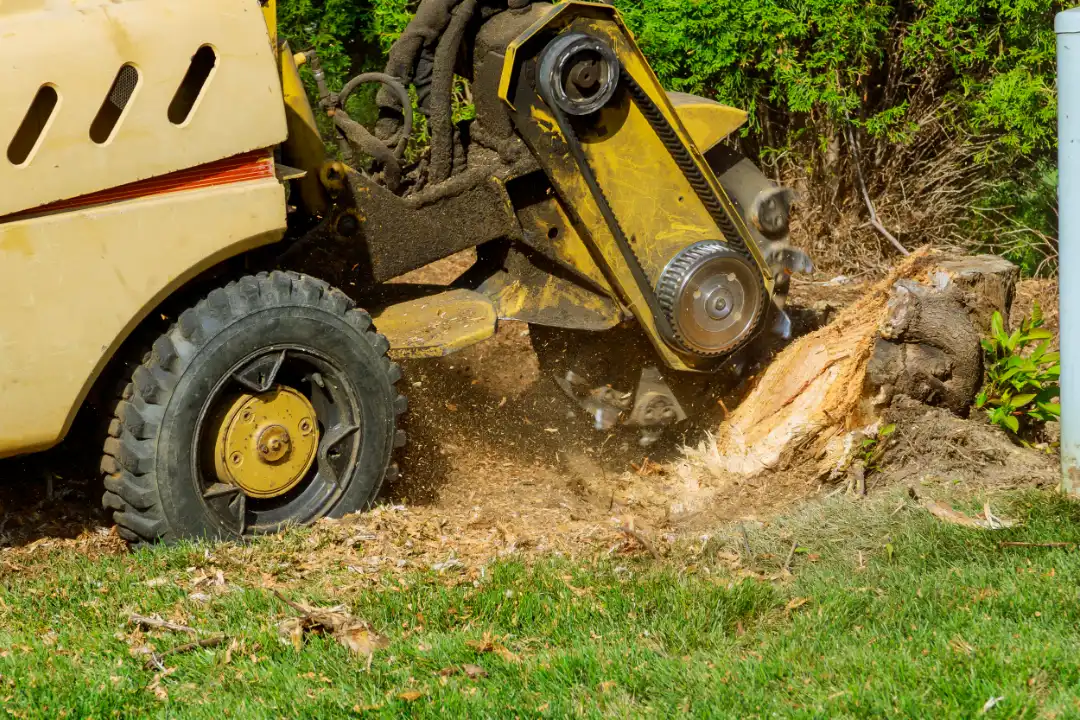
{"x":151,"y":482}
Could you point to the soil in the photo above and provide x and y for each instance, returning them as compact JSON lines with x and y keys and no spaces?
{"x":500,"y":460}
{"x":933,"y":446}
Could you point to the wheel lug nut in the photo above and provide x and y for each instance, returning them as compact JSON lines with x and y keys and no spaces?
{"x":237,"y":458}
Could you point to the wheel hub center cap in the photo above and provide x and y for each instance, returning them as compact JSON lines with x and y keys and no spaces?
{"x":272,"y":443}
{"x":266,"y":443}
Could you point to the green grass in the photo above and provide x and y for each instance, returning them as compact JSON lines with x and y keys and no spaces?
{"x":904,"y":615}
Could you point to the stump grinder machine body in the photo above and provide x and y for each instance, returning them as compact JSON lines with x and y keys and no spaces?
{"x":164,"y":169}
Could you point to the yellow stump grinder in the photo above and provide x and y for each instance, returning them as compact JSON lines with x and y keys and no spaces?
{"x":164,"y":175}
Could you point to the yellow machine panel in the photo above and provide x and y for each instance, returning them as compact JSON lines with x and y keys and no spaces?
{"x":707,"y":121}
{"x":98,"y":94}
{"x":74,"y":284}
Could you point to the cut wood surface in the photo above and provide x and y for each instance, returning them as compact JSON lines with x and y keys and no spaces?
{"x":914,"y":333}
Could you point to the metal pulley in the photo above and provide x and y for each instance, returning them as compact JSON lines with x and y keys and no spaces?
{"x":712,"y":297}
{"x":578,"y":73}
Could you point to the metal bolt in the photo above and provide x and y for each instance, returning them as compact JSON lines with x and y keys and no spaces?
{"x":237,"y":458}
{"x":305,"y":426}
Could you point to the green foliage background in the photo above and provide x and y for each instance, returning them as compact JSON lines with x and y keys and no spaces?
{"x":911,"y":76}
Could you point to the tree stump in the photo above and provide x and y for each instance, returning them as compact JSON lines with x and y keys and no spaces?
{"x":985,"y":283}
{"x":916,"y":334}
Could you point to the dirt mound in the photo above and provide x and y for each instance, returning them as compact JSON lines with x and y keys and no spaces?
{"x":931,"y":445}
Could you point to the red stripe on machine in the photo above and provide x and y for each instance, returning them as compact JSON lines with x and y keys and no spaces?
{"x":255,"y":165}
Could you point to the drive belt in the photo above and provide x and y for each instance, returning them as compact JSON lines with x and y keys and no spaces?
{"x":700,"y":184}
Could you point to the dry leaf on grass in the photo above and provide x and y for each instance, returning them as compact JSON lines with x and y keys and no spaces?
{"x":474,"y":671}
{"x":362,"y":640}
{"x":410,"y":695}
{"x":506,"y":655}
{"x":797,"y":603}
{"x":157,"y":687}
{"x":960,"y":646}
{"x":491,"y":644}
{"x":234,"y":646}
{"x":988,"y":521}
{"x":352,"y":632}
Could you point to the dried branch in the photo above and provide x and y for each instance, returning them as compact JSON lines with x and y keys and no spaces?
{"x":157,"y":659}
{"x":866,"y":196}
{"x":157,"y":623}
{"x":790,"y":555}
{"x":630,"y":532}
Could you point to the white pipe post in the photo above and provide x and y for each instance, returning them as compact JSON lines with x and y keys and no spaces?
{"x":1067,"y":27}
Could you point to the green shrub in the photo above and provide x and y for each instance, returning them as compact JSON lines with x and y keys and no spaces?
{"x":953,"y":103}
{"x":828,"y":59}
{"x":1021,"y":375}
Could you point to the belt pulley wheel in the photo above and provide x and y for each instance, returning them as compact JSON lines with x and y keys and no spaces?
{"x":266,"y":443}
{"x":578,"y":73}
{"x":713,"y":297}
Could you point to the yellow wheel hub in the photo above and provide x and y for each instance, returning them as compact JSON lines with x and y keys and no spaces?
{"x":266,"y":443}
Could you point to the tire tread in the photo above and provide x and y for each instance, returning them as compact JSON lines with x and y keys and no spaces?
{"x":131,"y":488}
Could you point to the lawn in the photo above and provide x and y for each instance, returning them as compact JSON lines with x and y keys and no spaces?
{"x":886,"y":611}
